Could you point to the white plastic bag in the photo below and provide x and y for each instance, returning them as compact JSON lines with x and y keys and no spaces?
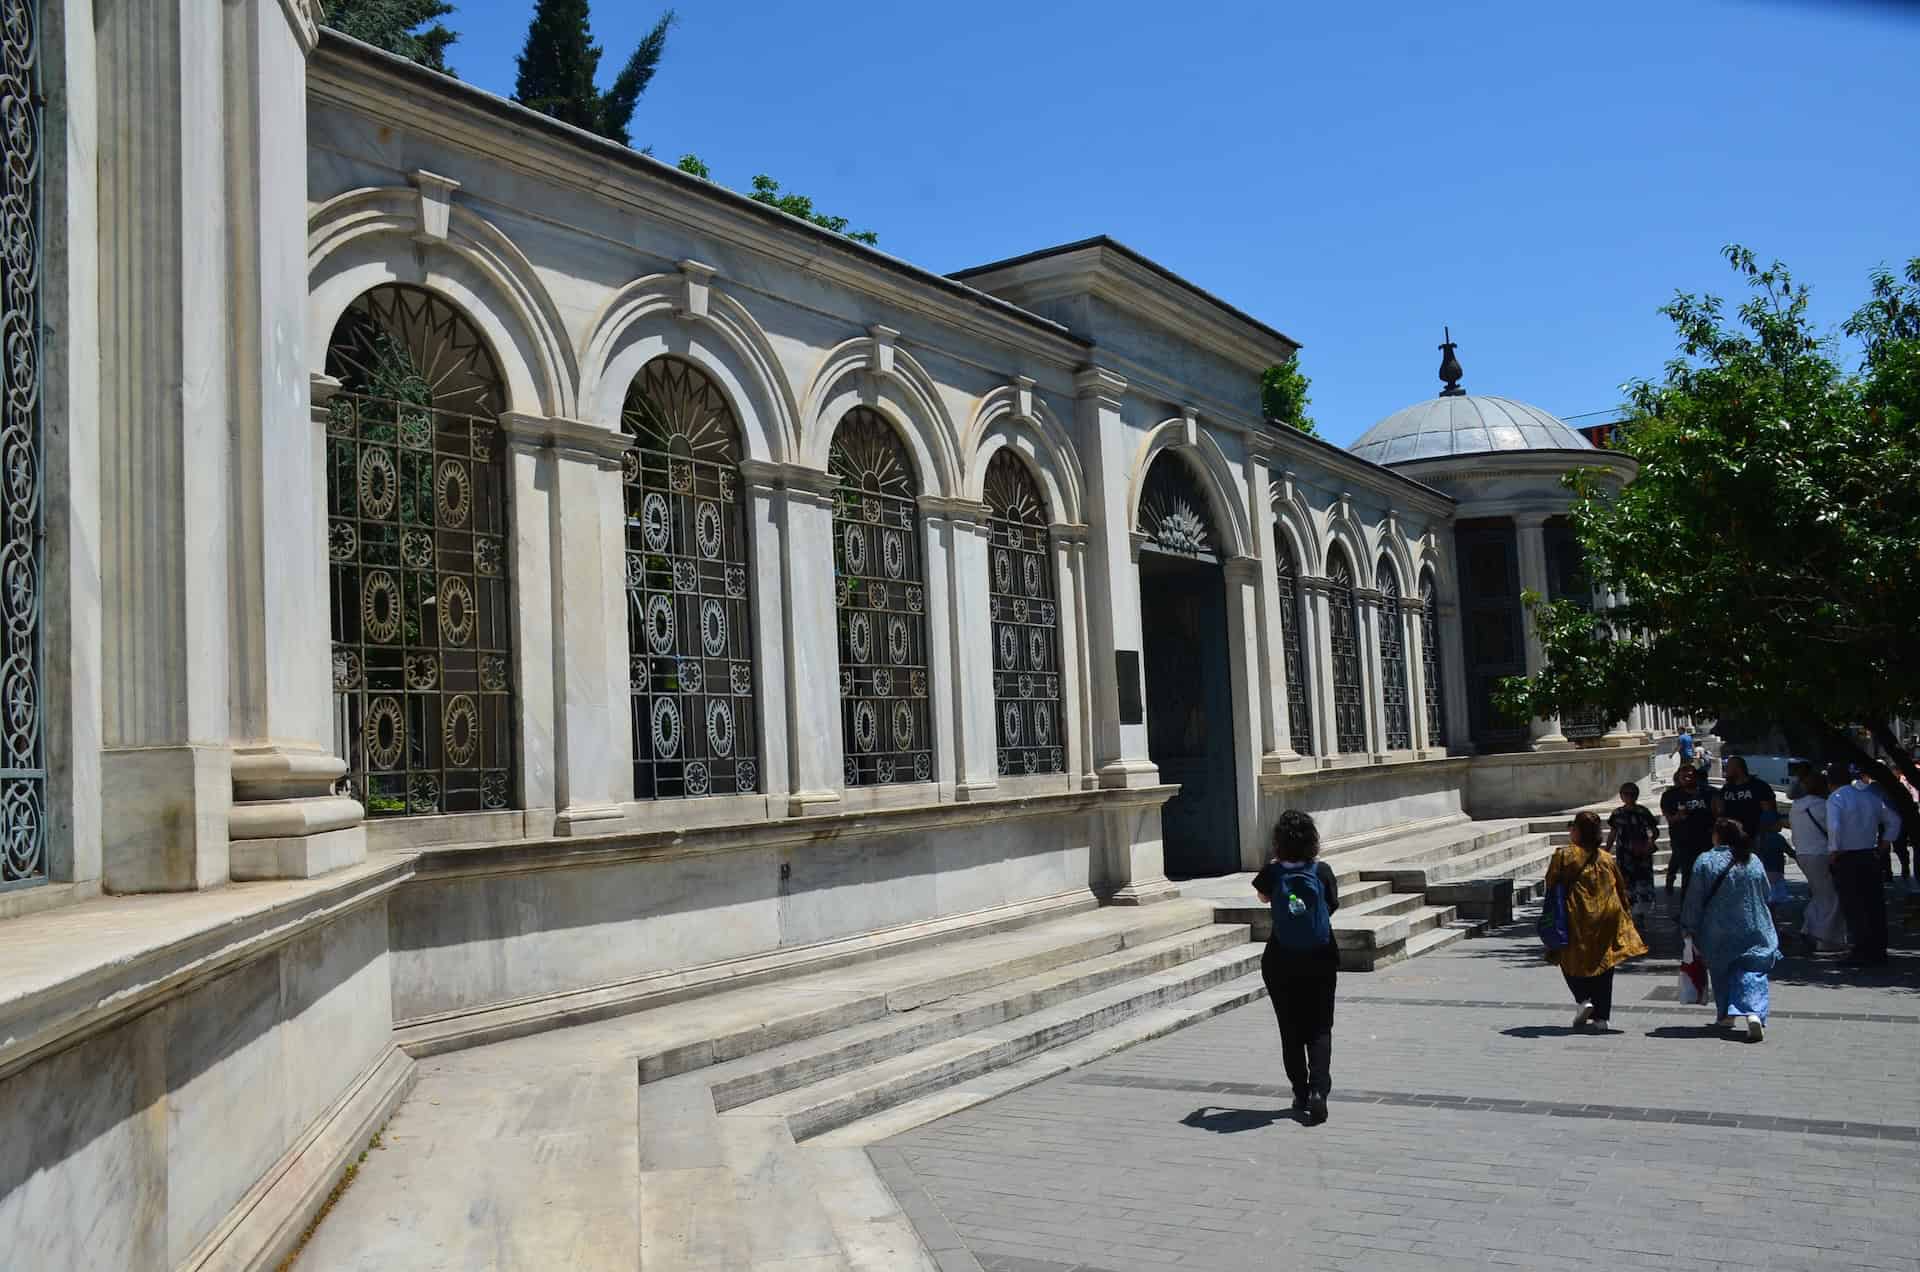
{"x":1693,"y":975}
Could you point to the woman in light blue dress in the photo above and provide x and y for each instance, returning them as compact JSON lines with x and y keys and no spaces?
{"x":1726,"y":915}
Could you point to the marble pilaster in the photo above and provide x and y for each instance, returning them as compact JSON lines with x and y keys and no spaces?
{"x":963,"y":715}
{"x":286,"y":821}
{"x":1276,"y":739}
{"x":166,"y":768}
{"x":798,"y":503}
{"x":1247,"y":685}
{"x":1069,"y":544}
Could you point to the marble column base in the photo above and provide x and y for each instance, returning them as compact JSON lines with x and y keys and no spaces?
{"x":803,"y":803}
{"x":1143,"y":892}
{"x":286,"y":822}
{"x":164,"y":812}
{"x":588,"y":819}
{"x":298,"y":856}
{"x":965,"y":791}
{"x":1128,"y":774}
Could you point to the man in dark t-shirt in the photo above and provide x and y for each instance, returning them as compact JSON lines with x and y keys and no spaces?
{"x":1744,"y":797}
{"x":1688,"y":808}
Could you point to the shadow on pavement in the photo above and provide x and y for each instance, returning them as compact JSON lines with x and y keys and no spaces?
{"x":1232,"y":1121}
{"x":1695,"y":1032}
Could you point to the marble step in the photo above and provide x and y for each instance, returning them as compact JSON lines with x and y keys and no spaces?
{"x":1417,"y":877}
{"x":835,"y":1101}
{"x":715,"y":1028}
{"x":797,"y":1064}
{"x":1381,"y":903}
{"x":1459,"y":845}
{"x":1097,"y":1045}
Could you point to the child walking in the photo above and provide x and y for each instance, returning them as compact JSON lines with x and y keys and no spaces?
{"x":1631,"y":831}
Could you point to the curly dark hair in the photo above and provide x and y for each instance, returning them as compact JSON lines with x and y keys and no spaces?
{"x":1295,"y":837}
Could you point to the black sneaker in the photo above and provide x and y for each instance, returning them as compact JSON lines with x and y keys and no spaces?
{"x":1316,"y":1110}
{"x":1301,"y":1103}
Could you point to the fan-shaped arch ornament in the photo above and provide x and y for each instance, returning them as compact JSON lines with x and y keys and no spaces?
{"x":1025,"y":620}
{"x":1174,"y":512}
{"x":417,"y":504}
{"x":878,"y":580}
{"x":689,"y":588}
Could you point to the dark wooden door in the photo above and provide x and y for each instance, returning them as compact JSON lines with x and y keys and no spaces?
{"x":1190,"y":711}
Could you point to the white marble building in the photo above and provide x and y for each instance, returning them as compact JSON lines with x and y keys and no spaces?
{"x":491,"y":579}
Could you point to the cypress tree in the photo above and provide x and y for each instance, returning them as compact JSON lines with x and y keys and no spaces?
{"x":394,"y":25}
{"x":560,"y":60}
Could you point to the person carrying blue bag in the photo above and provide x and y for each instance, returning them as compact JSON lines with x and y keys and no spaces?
{"x":1585,"y":924}
{"x":1301,"y":964}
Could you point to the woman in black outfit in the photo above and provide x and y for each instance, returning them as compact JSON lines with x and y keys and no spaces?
{"x":1301,"y":964}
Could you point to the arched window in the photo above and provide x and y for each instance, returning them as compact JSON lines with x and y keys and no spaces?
{"x":881,"y":604}
{"x":1299,"y":706}
{"x":1393,"y":661}
{"x":689,"y":625}
{"x":1430,"y":662}
{"x":1174,"y":513}
{"x":1026,"y":621}
{"x":23,"y":784}
{"x":417,"y":536}
{"x":1343,"y":626}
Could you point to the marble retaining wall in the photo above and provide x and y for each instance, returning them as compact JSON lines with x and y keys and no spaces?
{"x":491,"y":936}
{"x":133,"y":1148}
{"x":1364,"y":801}
{"x":1540,"y":782}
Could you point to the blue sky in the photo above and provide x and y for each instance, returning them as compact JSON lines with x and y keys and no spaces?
{"x":1539,"y":176}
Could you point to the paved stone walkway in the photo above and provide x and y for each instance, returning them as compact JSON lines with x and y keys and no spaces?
{"x":1470,"y":1128}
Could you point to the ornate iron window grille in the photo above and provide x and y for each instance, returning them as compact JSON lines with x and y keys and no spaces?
{"x":1343,"y":622}
{"x":23,"y":770}
{"x":1299,"y":706}
{"x":1174,"y":514}
{"x":1393,"y":663}
{"x":1436,"y":702}
{"x":1026,"y":622}
{"x":689,"y":586}
{"x":417,"y":536}
{"x":880,"y":605}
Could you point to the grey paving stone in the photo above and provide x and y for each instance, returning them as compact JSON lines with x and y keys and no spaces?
{"x":1469,"y":1129}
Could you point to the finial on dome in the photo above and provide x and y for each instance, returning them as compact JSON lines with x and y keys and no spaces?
{"x":1450,"y":367}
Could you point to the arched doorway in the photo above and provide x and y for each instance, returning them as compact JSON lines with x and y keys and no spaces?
{"x":1183,"y":607}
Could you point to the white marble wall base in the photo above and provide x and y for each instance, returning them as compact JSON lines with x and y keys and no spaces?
{"x":297,"y":856}
{"x":164,"y":814}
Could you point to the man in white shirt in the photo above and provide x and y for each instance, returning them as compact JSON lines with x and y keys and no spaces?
{"x":1858,"y":820}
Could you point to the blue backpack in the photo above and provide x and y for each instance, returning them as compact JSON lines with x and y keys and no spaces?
{"x":1300,"y":918}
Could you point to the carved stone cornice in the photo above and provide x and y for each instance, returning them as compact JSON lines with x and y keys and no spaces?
{"x":304,"y":17}
{"x":797,"y":478}
{"x":567,"y":438}
{"x":1241,"y":569}
{"x":1069,"y":534}
{"x":961,"y":512}
{"x":1099,"y":384}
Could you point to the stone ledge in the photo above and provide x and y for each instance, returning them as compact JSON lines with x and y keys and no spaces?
{"x":522,"y":856}
{"x":1291,"y":778}
{"x":70,"y":973}
{"x":497,"y":1022}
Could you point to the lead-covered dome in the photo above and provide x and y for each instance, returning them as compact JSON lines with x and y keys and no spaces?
{"x":1458,"y":423}
{"x":1464,"y":425}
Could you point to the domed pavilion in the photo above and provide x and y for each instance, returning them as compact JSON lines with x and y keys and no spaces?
{"x":1503,"y":462}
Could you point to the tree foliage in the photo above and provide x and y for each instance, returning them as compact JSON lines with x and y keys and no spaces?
{"x":396,"y":26}
{"x":1768,"y":551}
{"x":766,"y":190}
{"x":560,"y":61}
{"x":1283,"y":395}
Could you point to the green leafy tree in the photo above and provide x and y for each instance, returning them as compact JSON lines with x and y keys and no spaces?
{"x":1283,"y":396}
{"x":560,"y":61}
{"x":766,"y":190}
{"x":1769,"y":548}
{"x":397,"y":26}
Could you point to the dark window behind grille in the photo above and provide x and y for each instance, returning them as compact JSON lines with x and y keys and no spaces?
{"x":1393,"y":662}
{"x":880,"y":605}
{"x":1026,"y":622}
{"x":417,"y":535}
{"x":1343,"y":623}
{"x":23,"y":769}
{"x":1430,"y":663}
{"x":1568,"y":580}
{"x":1299,"y":707}
{"x":689,"y":626}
